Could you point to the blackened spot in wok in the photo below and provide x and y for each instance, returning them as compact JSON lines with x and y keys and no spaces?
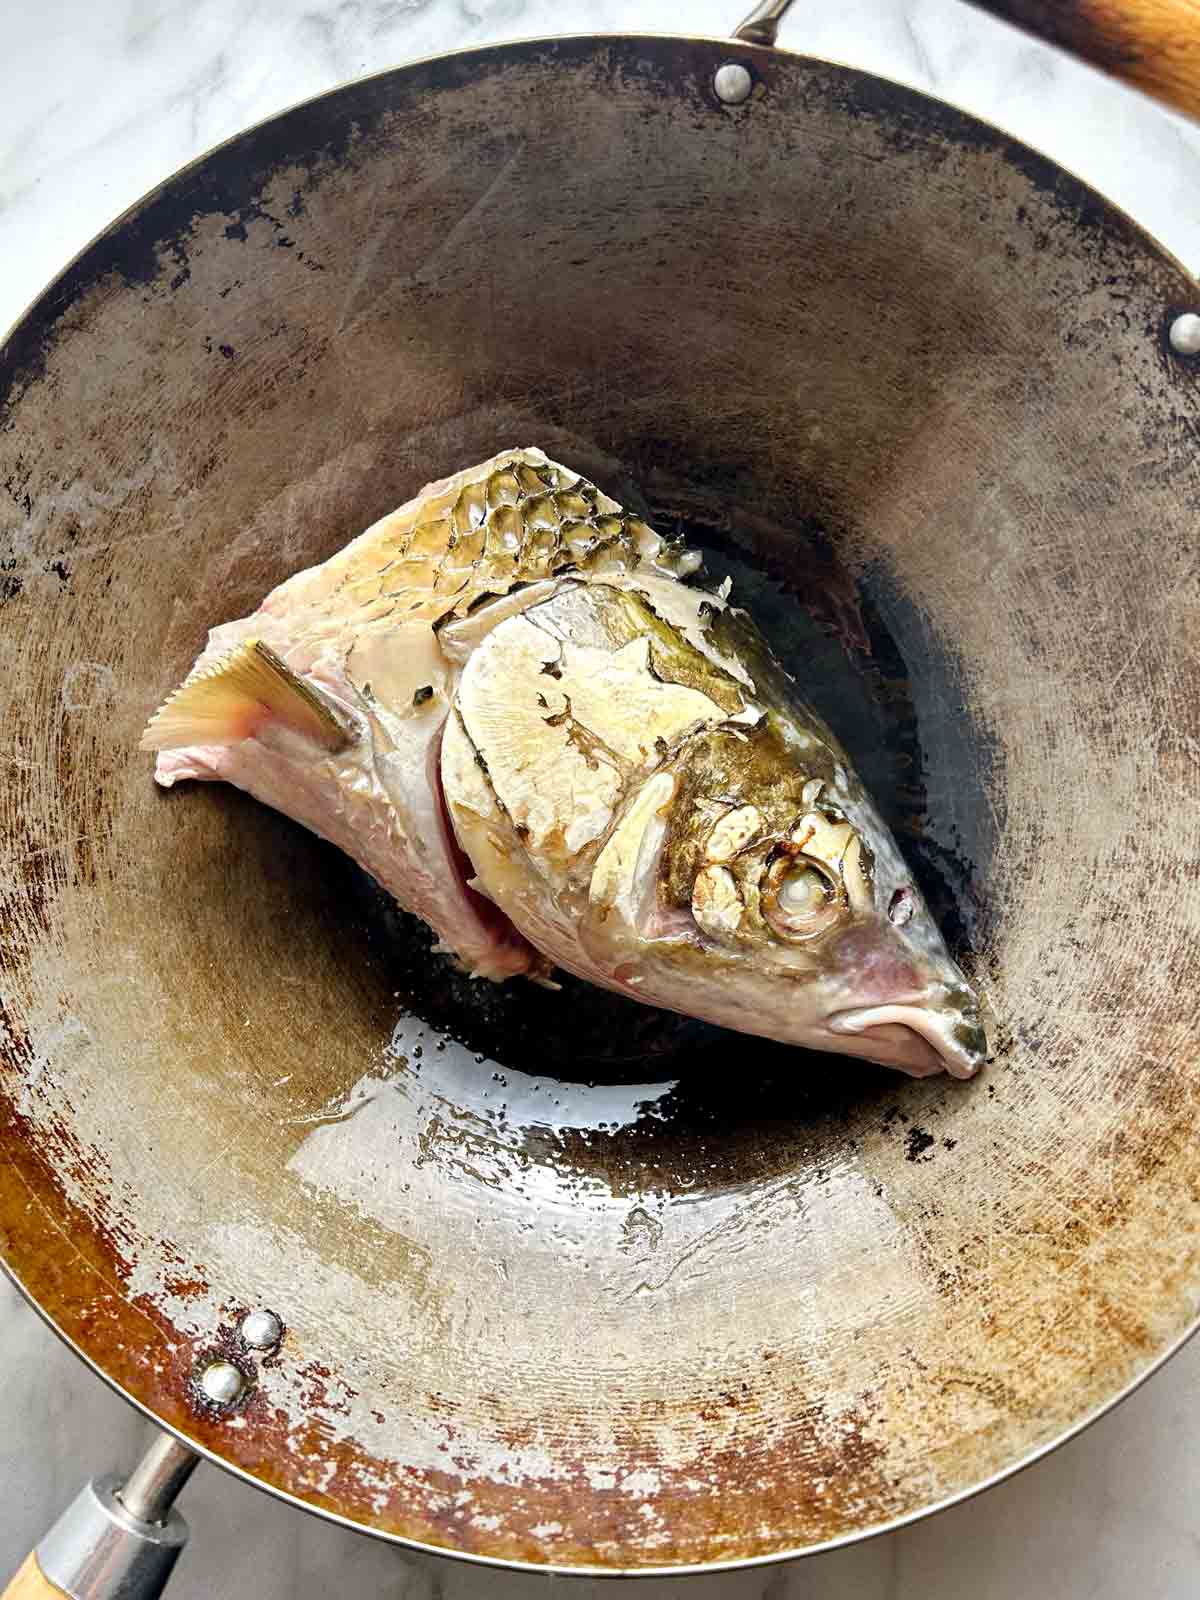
{"x":916,"y":1143}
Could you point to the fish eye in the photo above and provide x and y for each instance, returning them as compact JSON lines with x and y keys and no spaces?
{"x":799,"y":899}
{"x":803,"y":892}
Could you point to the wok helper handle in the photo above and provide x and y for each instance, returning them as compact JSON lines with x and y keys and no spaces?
{"x":115,"y":1541}
{"x":1152,"y":44}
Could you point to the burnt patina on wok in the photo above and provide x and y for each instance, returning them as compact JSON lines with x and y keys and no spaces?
{"x":563,"y":1280}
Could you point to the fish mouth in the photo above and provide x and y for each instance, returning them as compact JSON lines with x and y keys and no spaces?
{"x":915,"y":1039}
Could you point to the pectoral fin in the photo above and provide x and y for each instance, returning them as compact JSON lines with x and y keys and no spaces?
{"x":230,"y":699}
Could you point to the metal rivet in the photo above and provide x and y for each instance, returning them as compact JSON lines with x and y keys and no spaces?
{"x":1185,"y":334}
{"x":733,"y":83}
{"x":261,"y":1330}
{"x":221,"y":1382}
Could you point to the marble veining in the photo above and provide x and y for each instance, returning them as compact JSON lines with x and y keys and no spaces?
{"x":100,"y":101}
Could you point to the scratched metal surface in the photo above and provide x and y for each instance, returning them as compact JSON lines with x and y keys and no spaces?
{"x":604,"y":1292}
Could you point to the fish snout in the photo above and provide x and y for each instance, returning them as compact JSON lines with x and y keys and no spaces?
{"x":918,"y":1037}
{"x":907,"y":1008}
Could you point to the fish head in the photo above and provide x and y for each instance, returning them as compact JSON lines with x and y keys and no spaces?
{"x":763,"y":891}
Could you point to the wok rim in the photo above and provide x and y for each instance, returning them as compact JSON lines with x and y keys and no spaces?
{"x":525,"y":40}
{"x":737,"y":49}
{"x":554,"y":1569}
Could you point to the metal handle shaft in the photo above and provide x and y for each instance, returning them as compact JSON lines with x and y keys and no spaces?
{"x":762,"y":25}
{"x":150,"y":1489}
{"x":116,"y":1541}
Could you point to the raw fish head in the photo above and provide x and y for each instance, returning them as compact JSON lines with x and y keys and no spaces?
{"x":741,"y":886}
{"x":655,"y":808}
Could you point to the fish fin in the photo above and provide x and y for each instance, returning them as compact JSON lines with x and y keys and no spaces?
{"x":226,"y":701}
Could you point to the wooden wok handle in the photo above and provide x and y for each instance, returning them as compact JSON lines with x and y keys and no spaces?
{"x":31,"y":1583}
{"x":1152,"y":44}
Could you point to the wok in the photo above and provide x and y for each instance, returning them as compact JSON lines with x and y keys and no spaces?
{"x":555,"y":1280}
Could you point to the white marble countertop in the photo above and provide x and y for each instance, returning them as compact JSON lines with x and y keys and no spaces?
{"x":99,"y":100}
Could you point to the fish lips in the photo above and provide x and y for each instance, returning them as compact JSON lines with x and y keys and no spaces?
{"x":917,"y":1039}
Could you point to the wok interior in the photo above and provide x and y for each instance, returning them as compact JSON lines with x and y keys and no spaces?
{"x":567,"y":1280}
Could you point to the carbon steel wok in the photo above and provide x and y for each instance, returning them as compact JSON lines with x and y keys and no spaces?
{"x":564,"y":1281}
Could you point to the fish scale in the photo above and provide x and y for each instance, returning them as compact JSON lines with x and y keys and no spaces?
{"x":506,"y":526}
